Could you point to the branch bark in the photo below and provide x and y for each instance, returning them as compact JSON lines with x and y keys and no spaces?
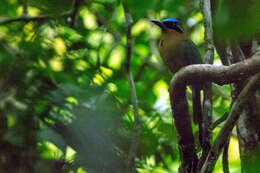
{"x":225,"y":156}
{"x":207,"y":102}
{"x":182,"y":123}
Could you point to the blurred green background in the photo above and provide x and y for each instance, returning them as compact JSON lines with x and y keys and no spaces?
{"x":65,"y":99}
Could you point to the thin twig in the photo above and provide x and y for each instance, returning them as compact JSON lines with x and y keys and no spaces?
{"x":25,"y":7}
{"x":130,"y":167}
{"x":219,"y":121}
{"x":235,"y":111}
{"x":32,"y":19}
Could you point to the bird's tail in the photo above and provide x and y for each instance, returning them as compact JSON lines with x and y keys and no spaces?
{"x":197,"y":111}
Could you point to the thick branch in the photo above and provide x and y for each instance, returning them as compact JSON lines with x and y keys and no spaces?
{"x":236,"y":110}
{"x":182,"y":123}
{"x":218,"y":74}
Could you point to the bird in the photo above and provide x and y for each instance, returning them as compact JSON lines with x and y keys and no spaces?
{"x":178,"y":51}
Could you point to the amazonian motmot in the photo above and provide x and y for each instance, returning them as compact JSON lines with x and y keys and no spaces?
{"x":177,"y":51}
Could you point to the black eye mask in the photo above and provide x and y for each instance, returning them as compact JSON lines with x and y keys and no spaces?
{"x":173,"y":25}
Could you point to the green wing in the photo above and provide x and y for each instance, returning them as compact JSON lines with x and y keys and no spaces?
{"x":192,"y":53}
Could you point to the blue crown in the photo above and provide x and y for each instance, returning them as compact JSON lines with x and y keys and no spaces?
{"x":170,"y":20}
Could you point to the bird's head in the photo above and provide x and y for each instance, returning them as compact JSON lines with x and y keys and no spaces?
{"x":169,"y":24}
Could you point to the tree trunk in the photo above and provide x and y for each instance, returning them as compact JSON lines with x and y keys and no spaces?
{"x":249,"y":134}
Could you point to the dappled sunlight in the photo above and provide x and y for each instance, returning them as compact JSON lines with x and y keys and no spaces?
{"x":106,"y":71}
{"x":89,"y":19}
{"x":161,"y":91}
{"x":70,"y":154}
{"x":82,"y":65}
{"x":233,"y":151}
{"x":116,"y":57}
{"x":112,"y":87}
{"x":59,"y":46}
{"x":56,"y":64}
{"x":95,"y":38}
{"x":141,"y":26}
{"x":53,"y":151}
{"x":197,"y":36}
{"x":98,"y":79}
{"x":81,"y":170}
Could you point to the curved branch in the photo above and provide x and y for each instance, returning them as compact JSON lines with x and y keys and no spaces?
{"x":218,"y":74}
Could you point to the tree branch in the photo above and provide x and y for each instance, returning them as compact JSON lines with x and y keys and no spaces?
{"x":237,"y":53}
{"x":218,"y":74}
{"x":130,"y":167}
{"x":219,"y":121}
{"x":208,"y":34}
{"x":76,"y":5}
{"x":225,"y":156}
{"x":207,"y":102}
{"x":236,"y":110}
{"x":32,"y":19}
{"x":182,"y":123}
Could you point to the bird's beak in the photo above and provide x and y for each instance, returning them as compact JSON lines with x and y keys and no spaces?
{"x":158,"y":23}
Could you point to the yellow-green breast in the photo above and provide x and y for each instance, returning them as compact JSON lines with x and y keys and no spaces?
{"x":171,"y":48}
